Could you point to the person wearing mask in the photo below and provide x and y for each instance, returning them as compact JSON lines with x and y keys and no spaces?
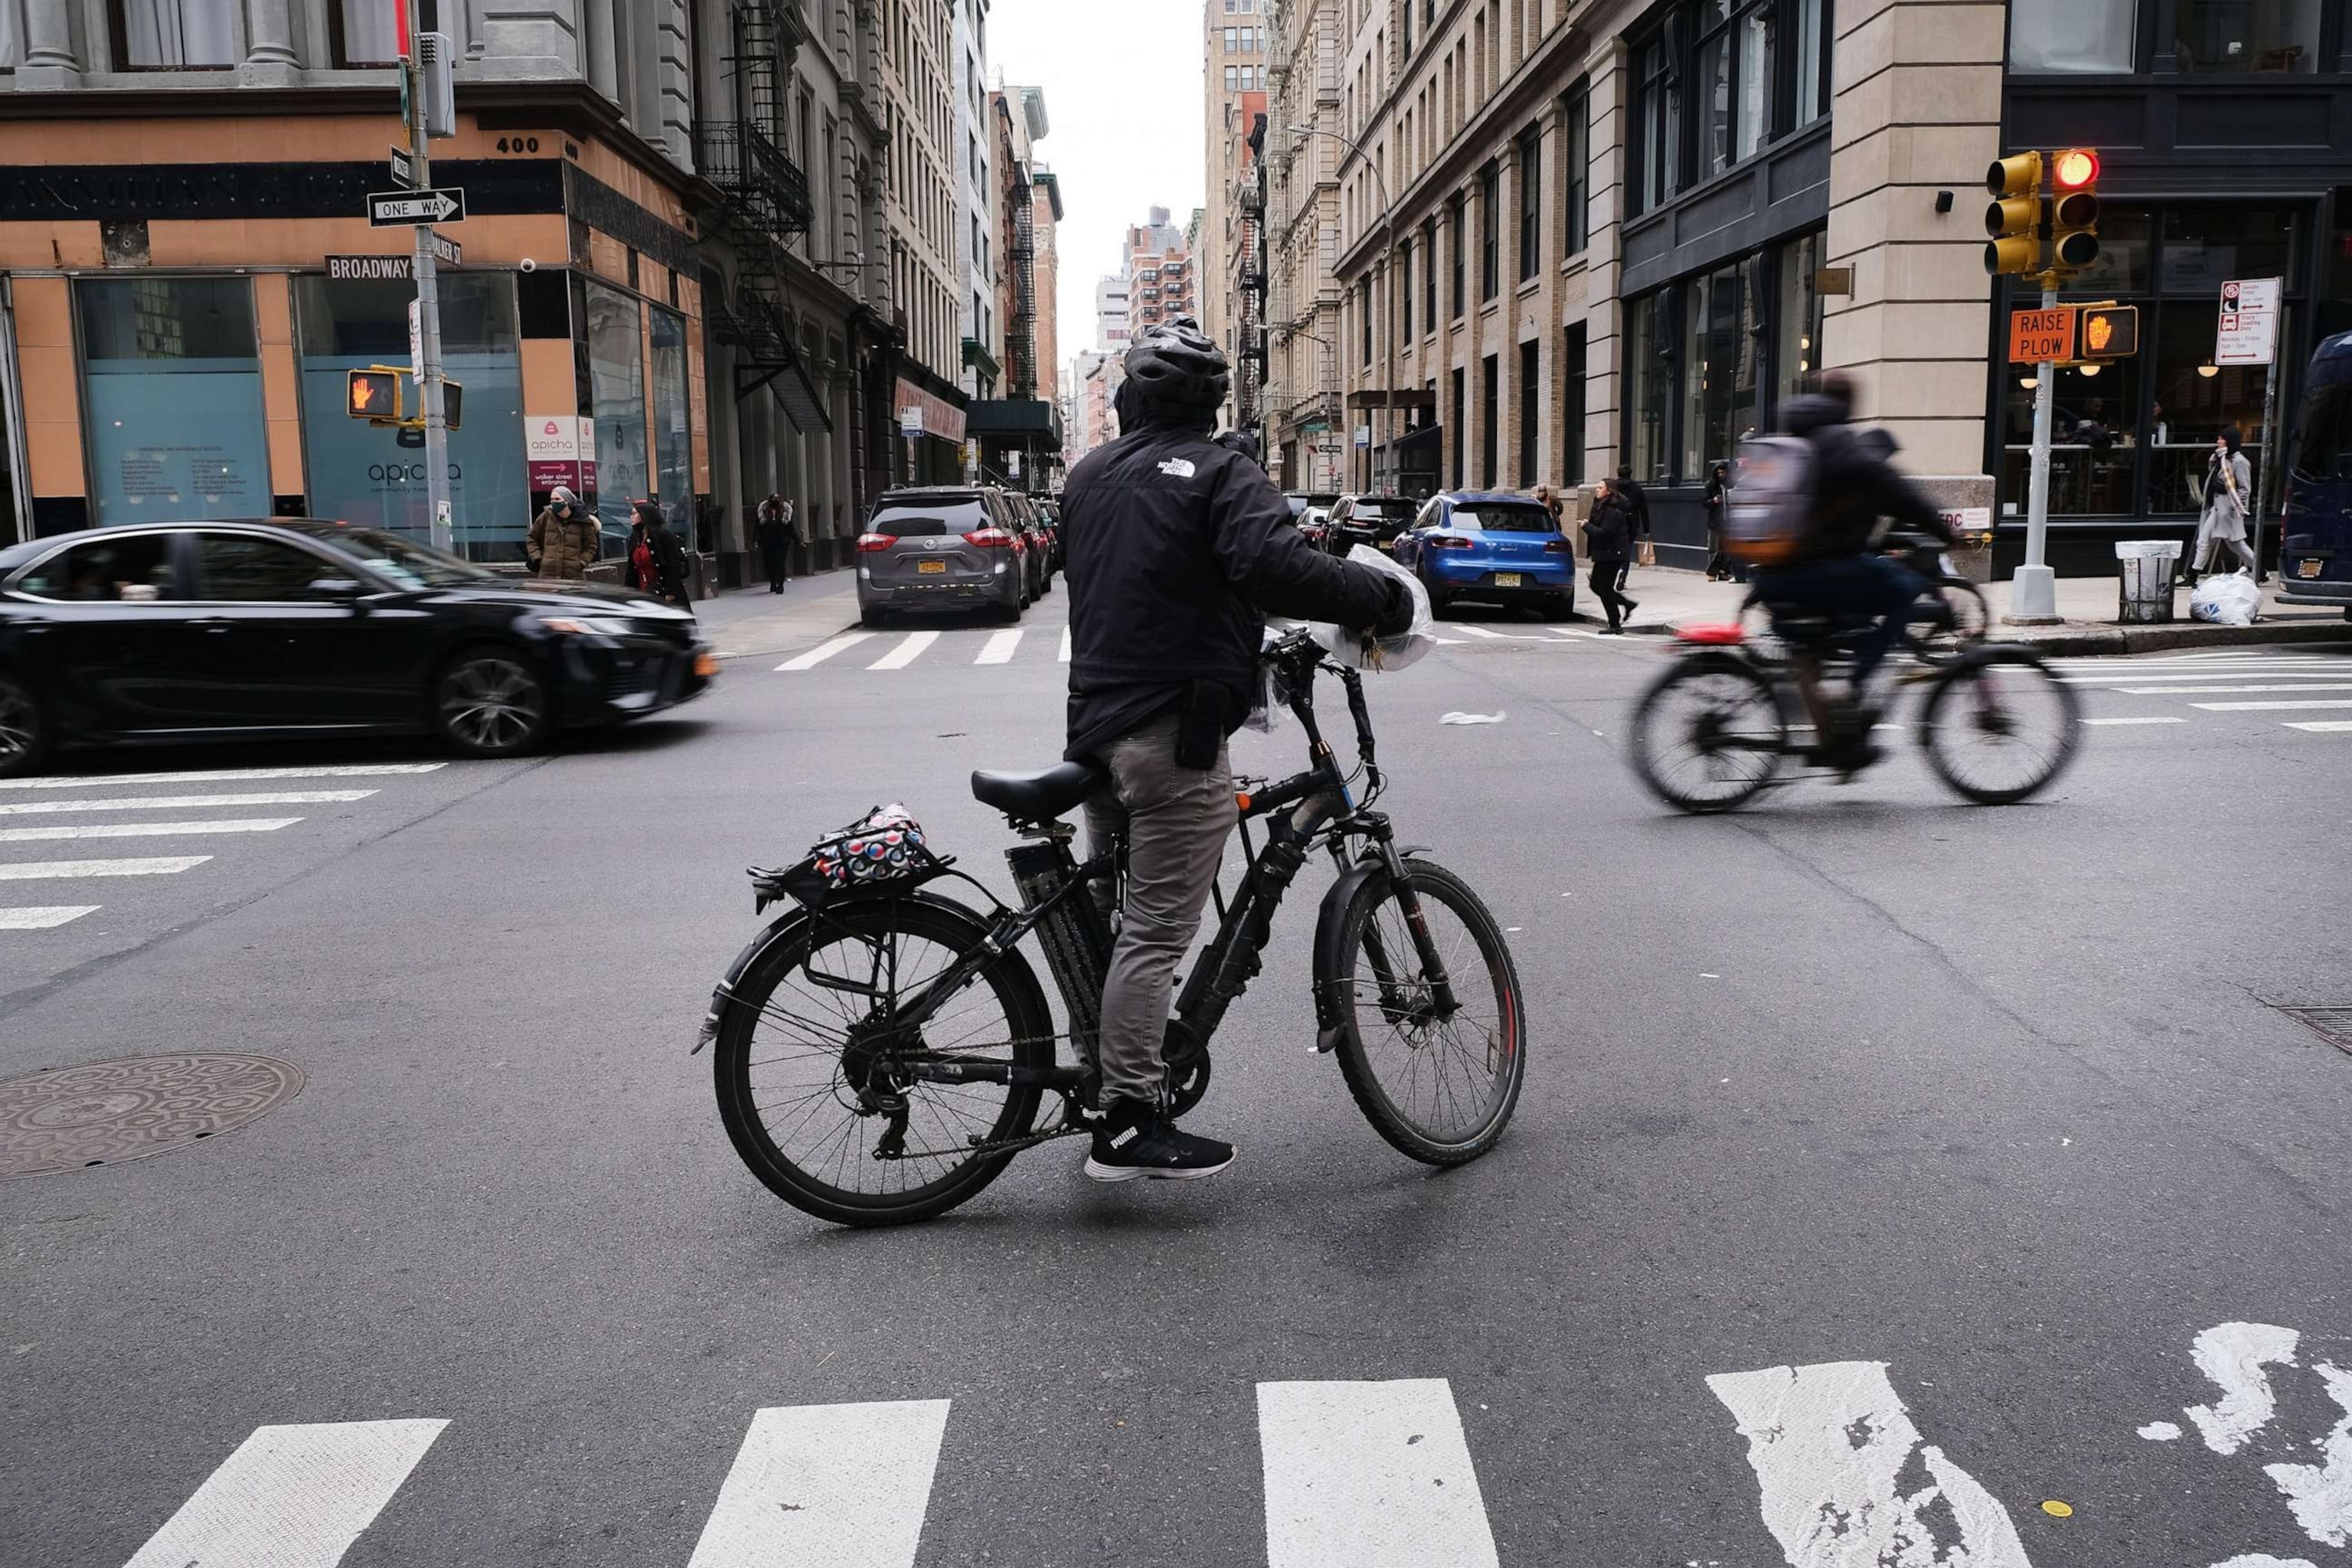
{"x":1608,"y":538}
{"x":1637,"y":514}
{"x":1718,"y":560}
{"x":1177,"y":549}
{"x":562,"y":539}
{"x":657,"y":559}
{"x":2229,"y":487}
{"x":775,"y":532}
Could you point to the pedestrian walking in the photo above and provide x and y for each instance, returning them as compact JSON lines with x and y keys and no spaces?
{"x":1637,"y":517}
{"x":775,"y":529}
{"x":657,"y":558}
{"x":562,"y":539}
{"x":2228,"y":485}
{"x":1609,"y":541}
{"x":1718,"y":559}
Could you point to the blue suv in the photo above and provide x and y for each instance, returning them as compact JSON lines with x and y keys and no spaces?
{"x":1497,"y":548}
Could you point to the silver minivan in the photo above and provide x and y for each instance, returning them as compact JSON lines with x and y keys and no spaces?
{"x":942,"y":549}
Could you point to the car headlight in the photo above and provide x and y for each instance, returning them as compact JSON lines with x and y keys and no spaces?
{"x":589,"y":626}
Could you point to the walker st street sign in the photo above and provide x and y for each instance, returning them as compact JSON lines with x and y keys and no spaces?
{"x":388,"y":209}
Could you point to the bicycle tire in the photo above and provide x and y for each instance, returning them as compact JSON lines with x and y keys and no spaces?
{"x":1645,"y":747}
{"x":1026,"y":1041}
{"x":1970,"y":676}
{"x":1969,"y":616}
{"x":1506,"y":1034}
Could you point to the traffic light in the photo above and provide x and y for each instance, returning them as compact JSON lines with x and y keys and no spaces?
{"x":2014,"y":215}
{"x":453,"y":402}
{"x":373,"y":394}
{"x":2074,"y":211}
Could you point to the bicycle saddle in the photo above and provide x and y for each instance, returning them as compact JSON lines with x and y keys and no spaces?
{"x":1039,"y":795}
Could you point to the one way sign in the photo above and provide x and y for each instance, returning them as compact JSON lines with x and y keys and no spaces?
{"x":391,"y":209}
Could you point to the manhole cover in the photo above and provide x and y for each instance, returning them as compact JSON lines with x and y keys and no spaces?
{"x":102,"y":1113}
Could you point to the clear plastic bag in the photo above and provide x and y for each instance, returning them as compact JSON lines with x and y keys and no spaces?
{"x":1360,"y":652}
{"x":2226,"y":598}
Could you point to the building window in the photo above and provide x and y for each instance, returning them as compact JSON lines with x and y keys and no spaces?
{"x":1490,"y":397}
{"x":364,"y":33}
{"x":1797,"y":317}
{"x":1364,"y":319}
{"x":1404,"y":292}
{"x":1719,"y":367}
{"x":172,"y":386}
{"x":1490,"y":239}
{"x":673,"y":472}
{"x":1231,"y":41}
{"x":1572,"y":404}
{"x":1527,"y":430}
{"x":1656,"y":123}
{"x":2080,"y":36}
{"x":1649,"y":335}
{"x":1456,"y":212}
{"x":1233,"y":79}
{"x":1575,"y":158}
{"x":2268,"y":36}
{"x":1809,"y":101}
{"x":616,"y":386}
{"x":11,"y":34}
{"x":1460,"y":428}
{"x":175,"y":34}
{"x":1429,"y":275}
{"x":1530,"y":199}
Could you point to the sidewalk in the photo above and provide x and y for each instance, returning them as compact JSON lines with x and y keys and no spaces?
{"x":1671,"y":596}
{"x":744,"y":622}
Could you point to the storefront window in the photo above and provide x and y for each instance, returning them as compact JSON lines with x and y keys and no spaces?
{"x":2127,"y":250}
{"x":172,"y":380}
{"x":362,"y":473}
{"x":673,"y":446}
{"x":171,"y":35}
{"x":2195,"y":399}
{"x":1718,"y":365}
{"x":1651,"y":377}
{"x":616,"y":383}
{"x":2271,"y":36}
{"x":2204,"y":247}
{"x":1797,"y":319}
{"x":2077,"y":35}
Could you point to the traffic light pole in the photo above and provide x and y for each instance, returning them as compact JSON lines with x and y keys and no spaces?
{"x":2034,"y":588}
{"x":428,"y":303}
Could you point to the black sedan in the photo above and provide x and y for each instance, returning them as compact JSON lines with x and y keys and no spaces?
{"x":204,"y":630}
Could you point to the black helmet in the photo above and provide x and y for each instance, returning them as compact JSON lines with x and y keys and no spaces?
{"x":1174,"y":365}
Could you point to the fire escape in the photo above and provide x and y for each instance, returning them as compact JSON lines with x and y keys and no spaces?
{"x":1020,"y":325}
{"x":1250,"y":286}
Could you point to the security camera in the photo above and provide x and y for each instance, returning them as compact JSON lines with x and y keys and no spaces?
{"x":529,"y":265}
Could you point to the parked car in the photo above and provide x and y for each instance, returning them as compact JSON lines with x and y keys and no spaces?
{"x":942,"y":548}
{"x":180,"y":631}
{"x":1368,"y":520}
{"x":2315,"y":541}
{"x":1498,"y":549}
{"x":1050,"y":509}
{"x":1036,"y":542}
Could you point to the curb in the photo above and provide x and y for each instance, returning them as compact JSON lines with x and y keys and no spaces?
{"x":2153,"y":638}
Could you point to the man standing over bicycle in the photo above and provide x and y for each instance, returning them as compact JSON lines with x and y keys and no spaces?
{"x":1177,"y":549}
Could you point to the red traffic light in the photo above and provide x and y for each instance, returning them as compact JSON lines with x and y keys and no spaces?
{"x":2075,"y":168}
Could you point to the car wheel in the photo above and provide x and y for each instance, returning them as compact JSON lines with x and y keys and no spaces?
{"x":27,"y":731}
{"x":490,"y":703}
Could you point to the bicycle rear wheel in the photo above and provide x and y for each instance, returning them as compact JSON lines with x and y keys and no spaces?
{"x":1708,"y":734}
{"x":1439,"y":1086}
{"x":1999,"y":726}
{"x":812,"y":1075}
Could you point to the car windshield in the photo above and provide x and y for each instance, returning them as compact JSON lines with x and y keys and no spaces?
{"x":400,"y":560}
{"x":1493,"y":519}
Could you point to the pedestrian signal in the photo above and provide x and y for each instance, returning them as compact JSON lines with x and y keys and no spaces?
{"x":2074,"y":212}
{"x":453,"y":401}
{"x":2110,"y":332}
{"x":373,"y":394}
{"x":2015,"y":214}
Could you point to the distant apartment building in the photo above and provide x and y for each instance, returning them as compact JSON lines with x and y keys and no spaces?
{"x":973,"y":140}
{"x":920,"y":219}
{"x":1236,"y":40}
{"x":1018,"y":433}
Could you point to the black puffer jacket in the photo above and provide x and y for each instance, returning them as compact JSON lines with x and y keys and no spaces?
{"x":1855,"y":486}
{"x":1177,"y":549}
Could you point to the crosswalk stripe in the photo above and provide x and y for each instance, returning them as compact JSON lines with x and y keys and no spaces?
{"x":841,"y":1486}
{"x":2317,"y":685}
{"x":2140,"y":719}
{"x":142,"y":829}
{"x":2324,"y":726}
{"x":906,"y":652}
{"x":1830,"y":1445}
{"x":1369,"y":1475}
{"x":1065,"y":655}
{"x":2269,"y":707}
{"x":221,"y":776}
{"x":42,"y":917}
{"x":1493,"y":635}
{"x":999,"y":646}
{"x":184,"y":802}
{"x":823,"y":651}
{"x":153,"y":866}
{"x":291,"y":1497}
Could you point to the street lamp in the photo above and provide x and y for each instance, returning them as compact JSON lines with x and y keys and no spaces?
{"x":1387,"y":271}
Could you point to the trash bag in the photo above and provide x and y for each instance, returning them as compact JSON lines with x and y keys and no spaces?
{"x":1360,"y":652}
{"x":2226,"y":598}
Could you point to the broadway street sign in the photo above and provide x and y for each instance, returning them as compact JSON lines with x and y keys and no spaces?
{"x":391,"y":209}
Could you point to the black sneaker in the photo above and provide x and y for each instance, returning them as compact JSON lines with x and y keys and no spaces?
{"x":1133,"y":1141}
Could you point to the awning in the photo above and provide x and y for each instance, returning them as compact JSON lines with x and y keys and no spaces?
{"x":1399,"y":397}
{"x":1026,"y":424}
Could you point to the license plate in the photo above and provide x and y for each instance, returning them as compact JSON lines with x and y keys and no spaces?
{"x":928,"y":566}
{"x":2307,"y":569}
{"x":1506,"y":579}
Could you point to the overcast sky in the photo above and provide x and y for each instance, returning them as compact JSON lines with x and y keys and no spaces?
{"x":1124,"y":94}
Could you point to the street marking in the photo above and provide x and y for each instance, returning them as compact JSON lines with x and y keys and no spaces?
{"x":291,"y":1497}
{"x":112,"y":781}
{"x":1830,"y":1445}
{"x":2318,"y":683}
{"x":2233,"y":1356}
{"x":155,"y":866}
{"x":843,"y":1486}
{"x":42,"y":917}
{"x":823,"y":651}
{"x":906,"y":652}
{"x":185,"y":801}
{"x":2321,"y":1495}
{"x":142,"y":829}
{"x":1066,"y":644}
{"x":2142,"y":719}
{"x":999,"y":646}
{"x":2324,"y":726}
{"x":1370,"y":1475}
{"x":2268,"y":707}
{"x":1502,"y":636}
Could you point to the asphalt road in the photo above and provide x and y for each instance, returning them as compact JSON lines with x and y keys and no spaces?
{"x":1860,"y":1076}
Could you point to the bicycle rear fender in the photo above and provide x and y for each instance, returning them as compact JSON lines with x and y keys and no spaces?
{"x":722,"y":996}
{"x":1330,"y":944}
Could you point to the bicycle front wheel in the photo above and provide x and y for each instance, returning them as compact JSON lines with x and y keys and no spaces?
{"x":814,"y":1077}
{"x":1438,"y":1082}
{"x":1999,"y":726}
{"x":1708,"y":734}
{"x":1959,"y":624}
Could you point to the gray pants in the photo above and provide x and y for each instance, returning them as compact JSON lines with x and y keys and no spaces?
{"x":1177,"y":821}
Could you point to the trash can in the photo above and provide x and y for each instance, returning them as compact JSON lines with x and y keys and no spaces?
{"x":2144,"y":567}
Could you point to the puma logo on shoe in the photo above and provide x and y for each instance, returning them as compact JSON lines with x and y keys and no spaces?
{"x":1121,"y":1139}
{"x":1180,"y":468}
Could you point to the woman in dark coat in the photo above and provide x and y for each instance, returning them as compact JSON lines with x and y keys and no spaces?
{"x":776,"y":541}
{"x":657,"y":560}
{"x":1718,"y":561}
{"x":1609,"y":542}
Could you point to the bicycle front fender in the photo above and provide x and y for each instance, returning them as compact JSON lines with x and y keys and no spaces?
{"x":1330,"y":943}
